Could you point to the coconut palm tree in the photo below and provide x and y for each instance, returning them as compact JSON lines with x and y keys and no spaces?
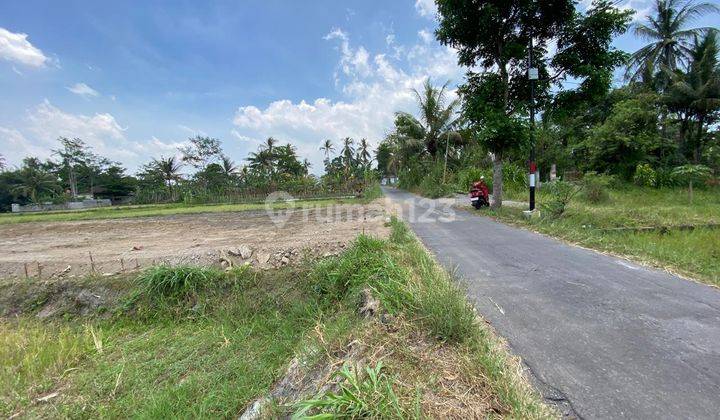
{"x":364,"y":152}
{"x":327,"y":147}
{"x":348,"y":152}
{"x":695,"y":95}
{"x":229,"y":167}
{"x":436,"y":118}
{"x":3,"y":163}
{"x":269,"y":144}
{"x":168,"y":169}
{"x":671,"y":41}
{"x":34,"y":180}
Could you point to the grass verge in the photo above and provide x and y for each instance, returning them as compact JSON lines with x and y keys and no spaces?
{"x":693,"y":253}
{"x":196,"y":342}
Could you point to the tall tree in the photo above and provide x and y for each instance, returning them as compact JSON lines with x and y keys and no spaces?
{"x":695,"y":95}
{"x":348,"y":153}
{"x":364,"y":152}
{"x":74,"y":154}
{"x":437,"y":116}
{"x":3,"y":162}
{"x":201,"y":151}
{"x":670,"y":39}
{"x":35,"y":180}
{"x":168,"y":168}
{"x":228,"y":166}
{"x":496,"y":35}
{"x":327,"y":147}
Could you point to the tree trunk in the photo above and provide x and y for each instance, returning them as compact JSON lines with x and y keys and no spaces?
{"x":690,"y":192}
{"x":497,"y":182}
{"x":73,"y":183}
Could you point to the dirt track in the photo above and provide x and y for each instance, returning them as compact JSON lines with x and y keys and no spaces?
{"x":196,"y":239}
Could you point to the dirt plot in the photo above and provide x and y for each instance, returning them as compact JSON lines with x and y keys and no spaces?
{"x":64,"y":249}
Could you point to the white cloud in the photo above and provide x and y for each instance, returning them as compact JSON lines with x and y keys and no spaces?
{"x":44,"y":123}
{"x":16,"y":48}
{"x":374,"y":87}
{"x":425,"y":35}
{"x":83,"y":90}
{"x":426,"y":8}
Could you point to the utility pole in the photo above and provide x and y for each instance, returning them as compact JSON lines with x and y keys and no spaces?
{"x":532,"y":76}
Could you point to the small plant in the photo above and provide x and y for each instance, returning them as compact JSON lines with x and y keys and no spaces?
{"x":561,"y":193}
{"x":595,"y":187}
{"x":368,"y":395}
{"x":690,"y":174}
{"x":645,"y":176}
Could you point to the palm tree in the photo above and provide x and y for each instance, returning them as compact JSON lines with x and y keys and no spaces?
{"x":327,"y":147}
{"x":436,"y":118}
{"x":269,"y":144}
{"x":34,"y":180}
{"x":348,"y":152}
{"x":696,"y":94}
{"x":364,"y":152}
{"x":3,"y":163}
{"x":671,"y":42}
{"x":168,"y":169}
{"x":229,"y":167}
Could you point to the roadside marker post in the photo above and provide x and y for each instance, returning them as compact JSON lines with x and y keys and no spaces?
{"x":532,"y":77}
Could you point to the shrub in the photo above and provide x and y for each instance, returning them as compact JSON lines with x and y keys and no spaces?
{"x":665,"y":178}
{"x":467,"y":176}
{"x":167,"y":284}
{"x":515,"y":177}
{"x":595,"y":187}
{"x":645,"y":176}
{"x":560,"y":194}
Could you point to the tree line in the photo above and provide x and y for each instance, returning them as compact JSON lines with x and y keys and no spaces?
{"x":658,"y":129}
{"x":200,"y":172}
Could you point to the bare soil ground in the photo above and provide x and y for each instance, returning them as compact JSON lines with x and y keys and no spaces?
{"x":64,"y":249}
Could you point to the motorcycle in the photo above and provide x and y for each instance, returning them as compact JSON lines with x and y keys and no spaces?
{"x":479,"y":194}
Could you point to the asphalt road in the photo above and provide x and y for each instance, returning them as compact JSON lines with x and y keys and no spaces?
{"x":603,"y":337}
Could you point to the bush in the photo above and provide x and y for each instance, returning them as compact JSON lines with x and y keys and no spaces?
{"x":515,"y":177}
{"x":177,"y":288}
{"x":595,"y":187}
{"x":645,"y":176}
{"x":665,"y":178}
{"x":560,"y":194}
{"x":467,"y":176}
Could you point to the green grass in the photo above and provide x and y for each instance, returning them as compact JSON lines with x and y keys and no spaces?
{"x":695,"y":253}
{"x":207,"y":358}
{"x":190,"y":342}
{"x":158,"y":210}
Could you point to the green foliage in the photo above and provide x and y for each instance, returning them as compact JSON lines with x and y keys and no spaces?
{"x":467,"y":176}
{"x":628,"y":137}
{"x":362,"y":395}
{"x":687,"y":174}
{"x":178,"y":288}
{"x":645,"y":176}
{"x":559,"y":195}
{"x":595,"y":187}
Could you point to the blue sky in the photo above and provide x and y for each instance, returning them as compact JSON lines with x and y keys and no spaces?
{"x":136,"y":78}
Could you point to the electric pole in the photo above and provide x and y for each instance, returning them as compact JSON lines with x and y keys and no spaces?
{"x":532,"y":76}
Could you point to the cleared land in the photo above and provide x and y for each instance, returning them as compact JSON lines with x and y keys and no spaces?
{"x":198,"y":238}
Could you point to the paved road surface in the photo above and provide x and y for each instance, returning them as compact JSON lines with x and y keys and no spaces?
{"x":604,"y":338}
